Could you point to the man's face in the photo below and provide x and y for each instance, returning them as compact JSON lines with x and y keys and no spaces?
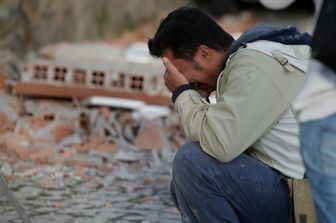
{"x":200,"y":72}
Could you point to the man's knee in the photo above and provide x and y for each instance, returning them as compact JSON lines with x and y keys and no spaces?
{"x":185,"y":158}
{"x":191,"y":162}
{"x":187,"y":155}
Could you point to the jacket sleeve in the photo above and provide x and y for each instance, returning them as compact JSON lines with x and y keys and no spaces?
{"x":247,"y":105}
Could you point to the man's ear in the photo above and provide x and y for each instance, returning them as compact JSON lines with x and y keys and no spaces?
{"x":203,"y":54}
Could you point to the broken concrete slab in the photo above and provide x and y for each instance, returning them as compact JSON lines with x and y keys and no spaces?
{"x":129,"y":156}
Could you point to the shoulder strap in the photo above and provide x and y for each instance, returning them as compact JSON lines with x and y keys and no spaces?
{"x":289,"y":56}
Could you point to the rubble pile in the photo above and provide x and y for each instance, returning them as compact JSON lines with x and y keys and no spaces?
{"x":69,"y":163}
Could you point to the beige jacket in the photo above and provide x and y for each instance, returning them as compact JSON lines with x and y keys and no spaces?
{"x":253,"y":92}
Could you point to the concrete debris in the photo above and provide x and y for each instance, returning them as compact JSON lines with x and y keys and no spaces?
{"x":69,"y":163}
{"x":129,"y":156}
{"x":142,"y":109}
{"x":70,"y":140}
{"x":154,"y":112}
{"x":114,"y":102}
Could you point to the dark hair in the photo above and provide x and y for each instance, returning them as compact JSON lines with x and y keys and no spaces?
{"x":184,"y":30}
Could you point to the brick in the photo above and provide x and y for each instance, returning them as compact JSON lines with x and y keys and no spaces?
{"x":37,"y":123}
{"x":3,"y":156}
{"x":150,"y":137}
{"x":24,"y":134}
{"x":62,"y":130}
{"x":5,"y":124}
{"x":57,"y":159}
{"x":3,"y":118}
{"x":107,"y":147}
{"x":81,"y":148}
{"x":85,"y":147}
{"x":40,"y":155}
{"x":66,"y":153}
{"x":103,"y":155}
{"x":17,"y":144}
{"x":7,"y":127}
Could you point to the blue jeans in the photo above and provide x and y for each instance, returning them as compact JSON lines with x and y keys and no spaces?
{"x":243,"y":190}
{"x":318,"y":146}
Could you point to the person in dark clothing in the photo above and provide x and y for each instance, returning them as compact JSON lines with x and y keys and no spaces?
{"x":316,"y":110}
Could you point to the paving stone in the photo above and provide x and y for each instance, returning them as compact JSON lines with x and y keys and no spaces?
{"x":169,"y":221}
{"x":170,"y":216}
{"x":9,"y":216}
{"x":111,"y":213}
{"x":28,"y":192}
{"x":123,"y":221}
{"x":42,"y":211}
{"x":122,"y":205}
{"x":148,"y":207}
{"x":133,"y":218}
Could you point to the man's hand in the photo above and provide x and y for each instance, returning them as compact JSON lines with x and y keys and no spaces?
{"x":173,"y":77}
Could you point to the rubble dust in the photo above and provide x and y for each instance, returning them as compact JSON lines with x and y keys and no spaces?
{"x":70,"y":163}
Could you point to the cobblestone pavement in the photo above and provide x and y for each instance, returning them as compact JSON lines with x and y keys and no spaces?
{"x":55,"y":193}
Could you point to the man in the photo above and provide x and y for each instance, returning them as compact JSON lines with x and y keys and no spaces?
{"x":246,"y":144}
{"x":316,"y":110}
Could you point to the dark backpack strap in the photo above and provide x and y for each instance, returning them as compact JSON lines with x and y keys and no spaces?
{"x":323,"y":45}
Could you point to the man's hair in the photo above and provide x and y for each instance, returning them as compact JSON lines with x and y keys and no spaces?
{"x":184,"y":30}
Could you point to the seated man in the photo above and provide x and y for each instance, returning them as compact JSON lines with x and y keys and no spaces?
{"x":244,"y":146}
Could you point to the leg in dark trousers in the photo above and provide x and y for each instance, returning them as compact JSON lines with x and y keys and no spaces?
{"x":243,"y":190}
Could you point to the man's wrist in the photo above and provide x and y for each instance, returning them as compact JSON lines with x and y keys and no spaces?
{"x":179,"y":90}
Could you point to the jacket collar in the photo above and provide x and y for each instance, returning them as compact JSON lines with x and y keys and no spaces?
{"x":281,"y":34}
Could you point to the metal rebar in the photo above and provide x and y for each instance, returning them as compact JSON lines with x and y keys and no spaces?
{"x":14,"y":202}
